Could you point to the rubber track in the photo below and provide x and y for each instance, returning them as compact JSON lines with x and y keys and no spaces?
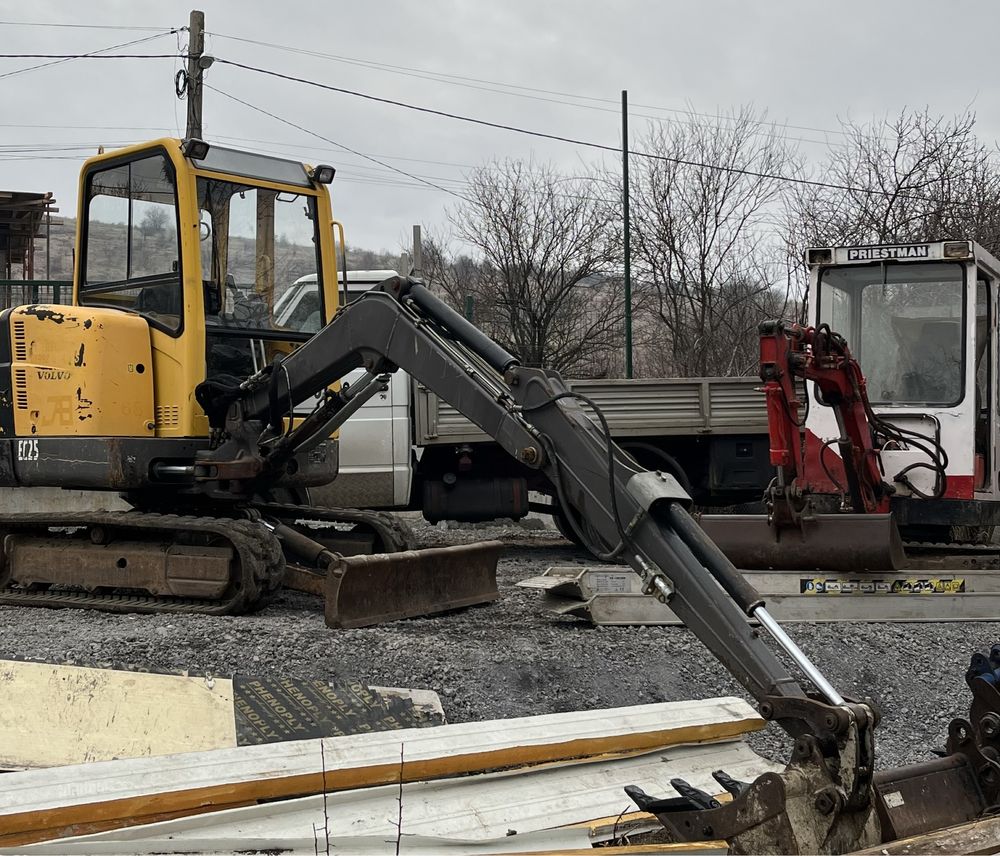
{"x":391,"y":531}
{"x":260,"y":559}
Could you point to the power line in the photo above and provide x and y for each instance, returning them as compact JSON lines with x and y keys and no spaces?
{"x":463,"y":80}
{"x":734,"y":170}
{"x":89,"y":127}
{"x":58,"y":59}
{"x":82,"y":26}
{"x":93,"y":55}
{"x":333,"y":142}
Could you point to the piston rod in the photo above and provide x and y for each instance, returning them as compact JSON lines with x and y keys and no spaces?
{"x":809,"y":669}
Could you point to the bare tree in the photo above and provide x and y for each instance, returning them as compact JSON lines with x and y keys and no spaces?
{"x":913,"y":178}
{"x":703,"y":241}
{"x":154,"y":220}
{"x":546,"y":281}
{"x":456,"y":275}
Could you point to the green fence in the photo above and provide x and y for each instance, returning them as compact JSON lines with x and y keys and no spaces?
{"x":17,"y":292}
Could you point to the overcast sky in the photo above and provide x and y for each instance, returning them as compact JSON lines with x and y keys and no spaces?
{"x":807,"y":63}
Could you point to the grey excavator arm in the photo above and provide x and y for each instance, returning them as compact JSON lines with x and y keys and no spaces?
{"x":637,"y":516}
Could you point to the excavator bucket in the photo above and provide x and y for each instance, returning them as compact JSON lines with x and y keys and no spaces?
{"x":828,"y":542}
{"x":361,"y":591}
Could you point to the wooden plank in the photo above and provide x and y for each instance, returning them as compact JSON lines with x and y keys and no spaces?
{"x":68,"y":715}
{"x":43,"y":804}
{"x":57,"y":714}
{"x":980,"y":836}
{"x":551,"y":843}
{"x":306,"y":843}
{"x":472,"y":808}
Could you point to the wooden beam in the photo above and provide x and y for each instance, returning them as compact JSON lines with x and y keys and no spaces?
{"x":43,"y":804}
{"x":480,"y":810}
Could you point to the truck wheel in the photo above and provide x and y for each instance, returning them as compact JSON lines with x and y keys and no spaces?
{"x":567,"y":531}
{"x":653,"y":458}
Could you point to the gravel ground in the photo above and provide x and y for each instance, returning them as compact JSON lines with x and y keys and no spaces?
{"x":511,"y":659}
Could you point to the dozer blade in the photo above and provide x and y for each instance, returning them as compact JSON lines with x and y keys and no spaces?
{"x":364,"y":590}
{"x":826,"y":542}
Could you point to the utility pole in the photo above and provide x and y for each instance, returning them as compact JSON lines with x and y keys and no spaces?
{"x":418,"y":252}
{"x":626,"y":246}
{"x":195,"y":69}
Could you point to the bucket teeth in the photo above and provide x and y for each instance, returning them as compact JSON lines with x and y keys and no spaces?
{"x":732,"y":786}
{"x":697,"y":798}
{"x":979,"y":665}
{"x":656,"y":805}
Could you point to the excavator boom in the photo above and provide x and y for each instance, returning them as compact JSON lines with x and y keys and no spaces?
{"x":636,"y":516}
{"x":828,"y":799}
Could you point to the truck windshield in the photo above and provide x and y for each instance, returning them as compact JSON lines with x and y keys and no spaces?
{"x":904,"y":324}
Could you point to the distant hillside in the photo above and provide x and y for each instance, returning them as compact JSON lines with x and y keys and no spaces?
{"x":161,"y":249}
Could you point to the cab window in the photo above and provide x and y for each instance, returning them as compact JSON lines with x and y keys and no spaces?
{"x":258,"y":244}
{"x":905,"y":324}
{"x":131,"y":255}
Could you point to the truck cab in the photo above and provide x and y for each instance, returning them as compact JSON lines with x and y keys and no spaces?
{"x":376,"y":466}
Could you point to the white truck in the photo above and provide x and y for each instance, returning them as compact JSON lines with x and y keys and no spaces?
{"x":408,"y":449}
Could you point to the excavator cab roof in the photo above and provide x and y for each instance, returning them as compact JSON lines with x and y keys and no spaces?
{"x":923,"y":251}
{"x":209,"y":157}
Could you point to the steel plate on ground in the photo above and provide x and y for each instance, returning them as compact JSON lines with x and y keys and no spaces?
{"x":613,"y":596}
{"x":829,"y":542}
{"x":364,"y":590}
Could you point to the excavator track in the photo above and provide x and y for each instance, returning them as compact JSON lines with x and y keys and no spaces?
{"x":245,"y":551}
{"x":391,"y":534}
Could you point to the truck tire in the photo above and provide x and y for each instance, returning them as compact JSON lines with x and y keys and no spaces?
{"x":646,"y":455}
{"x":567,"y":531}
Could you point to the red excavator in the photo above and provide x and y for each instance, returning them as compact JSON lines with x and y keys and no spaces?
{"x":903,"y":452}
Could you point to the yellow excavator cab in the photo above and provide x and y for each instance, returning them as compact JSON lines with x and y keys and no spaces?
{"x":203,"y":243}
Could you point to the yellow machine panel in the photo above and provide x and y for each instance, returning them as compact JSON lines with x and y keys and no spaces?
{"x":81,"y":371}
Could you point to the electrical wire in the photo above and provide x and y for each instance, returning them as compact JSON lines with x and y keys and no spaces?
{"x":59,"y":59}
{"x":733,"y":170}
{"x":471,"y":82}
{"x":334,"y":142}
{"x":83,"y":26}
{"x":94,"y":55}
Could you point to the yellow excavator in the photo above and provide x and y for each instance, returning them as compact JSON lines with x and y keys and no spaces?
{"x":183,"y":252}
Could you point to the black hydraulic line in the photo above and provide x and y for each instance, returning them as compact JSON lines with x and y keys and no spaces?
{"x":460,"y":329}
